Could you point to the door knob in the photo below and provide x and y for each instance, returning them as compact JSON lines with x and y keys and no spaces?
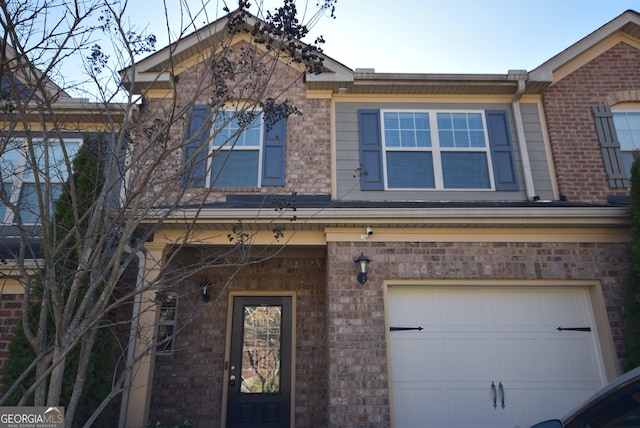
{"x":232,"y":380}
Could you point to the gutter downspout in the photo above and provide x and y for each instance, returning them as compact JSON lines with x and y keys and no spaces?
{"x":131,"y":348}
{"x":530,"y":190}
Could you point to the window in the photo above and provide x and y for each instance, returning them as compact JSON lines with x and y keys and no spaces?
{"x":167,"y":323}
{"x":237,"y":147}
{"x":627,"y":125}
{"x":234,"y":149}
{"x":436,"y":150}
{"x":19,"y":175}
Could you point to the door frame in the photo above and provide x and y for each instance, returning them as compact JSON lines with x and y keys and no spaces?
{"x":227,"y":347}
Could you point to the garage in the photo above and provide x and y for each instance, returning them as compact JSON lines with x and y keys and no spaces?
{"x":490,"y":357}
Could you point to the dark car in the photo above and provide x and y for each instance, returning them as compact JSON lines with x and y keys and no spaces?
{"x":616,"y":405}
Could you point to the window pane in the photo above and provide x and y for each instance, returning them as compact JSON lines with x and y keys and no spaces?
{"x":465,"y":170}
{"x":9,"y":161}
{"x":165,"y":332}
{"x":50,"y":159}
{"x":628,"y":129}
{"x":168,"y":308}
{"x":261,"y":349}
{"x":406,"y":129}
{"x":6,"y":188}
{"x":627,"y":159}
{"x":28,"y":201}
{"x":461,"y":130}
{"x":410,"y":170}
{"x":235,"y":168}
{"x":243,"y":130}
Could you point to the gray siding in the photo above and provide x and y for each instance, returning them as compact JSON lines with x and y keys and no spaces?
{"x":348,"y":162}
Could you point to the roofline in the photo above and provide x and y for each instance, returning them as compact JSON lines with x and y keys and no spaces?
{"x":544,"y":72}
{"x":554,"y":217}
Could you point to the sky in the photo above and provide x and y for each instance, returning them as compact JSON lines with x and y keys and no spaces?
{"x":444,"y":36}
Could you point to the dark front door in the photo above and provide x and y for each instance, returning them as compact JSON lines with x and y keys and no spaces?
{"x":259,"y":383}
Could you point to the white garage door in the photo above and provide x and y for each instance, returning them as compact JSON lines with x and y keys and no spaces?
{"x":490,"y":357}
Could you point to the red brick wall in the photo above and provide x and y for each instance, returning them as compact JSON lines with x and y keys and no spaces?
{"x":188,"y":384}
{"x":10,"y":313}
{"x":358,"y":380}
{"x":576,"y":152}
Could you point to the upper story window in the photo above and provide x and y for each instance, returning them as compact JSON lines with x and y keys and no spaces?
{"x":24,"y":167}
{"x":235,"y":149}
{"x":436,"y":150}
{"x":627,"y":125}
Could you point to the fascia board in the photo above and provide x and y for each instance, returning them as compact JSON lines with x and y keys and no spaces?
{"x":526,"y":216}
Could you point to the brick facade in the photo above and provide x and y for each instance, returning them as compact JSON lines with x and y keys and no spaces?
{"x":189,"y":383}
{"x":567,"y":103}
{"x":10,"y":314}
{"x":358,"y":380}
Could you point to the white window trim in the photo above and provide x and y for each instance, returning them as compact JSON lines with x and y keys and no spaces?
{"x":232,"y":147}
{"x":17,"y":180}
{"x":436,"y":150}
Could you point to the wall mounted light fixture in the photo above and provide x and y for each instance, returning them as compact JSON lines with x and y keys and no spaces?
{"x":204,"y":289}
{"x":362,"y":263}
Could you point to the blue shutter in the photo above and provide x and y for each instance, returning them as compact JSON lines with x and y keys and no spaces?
{"x":194,"y":153}
{"x":370,"y":140}
{"x":504,"y":165}
{"x":274,"y":148}
{"x":610,"y":147}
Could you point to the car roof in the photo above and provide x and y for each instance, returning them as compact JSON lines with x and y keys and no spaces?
{"x":605,"y":391}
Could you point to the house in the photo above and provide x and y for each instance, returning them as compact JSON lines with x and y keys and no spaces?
{"x":491,"y":209}
{"x":496,"y":260}
{"x":36,"y":114}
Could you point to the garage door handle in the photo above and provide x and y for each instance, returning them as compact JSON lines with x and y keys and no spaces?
{"x":501,"y":392}
{"x":494,"y":396}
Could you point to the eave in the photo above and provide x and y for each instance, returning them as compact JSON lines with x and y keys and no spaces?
{"x":429,"y":218}
{"x":367,"y":81}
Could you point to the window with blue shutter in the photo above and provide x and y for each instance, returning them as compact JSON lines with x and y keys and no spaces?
{"x":440,"y":150}
{"x":244,"y":151}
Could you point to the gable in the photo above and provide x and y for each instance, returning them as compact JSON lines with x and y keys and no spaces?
{"x":623,"y":29}
{"x":160,"y":70}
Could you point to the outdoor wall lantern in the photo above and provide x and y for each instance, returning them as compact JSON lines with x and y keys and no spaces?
{"x":204,"y":286}
{"x":362,"y":263}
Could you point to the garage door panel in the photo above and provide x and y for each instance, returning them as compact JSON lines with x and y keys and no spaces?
{"x":421,"y":404}
{"x":573,"y":358}
{"x":476,"y":336}
{"x":437,"y":404}
{"x":522,"y":357}
{"x":431,"y":359}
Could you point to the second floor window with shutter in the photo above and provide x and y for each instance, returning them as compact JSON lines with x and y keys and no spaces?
{"x":436,"y":150}
{"x":241,"y":149}
{"x":627,"y":124}
{"x":237,"y":149}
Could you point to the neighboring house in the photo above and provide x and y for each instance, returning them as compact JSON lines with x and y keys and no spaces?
{"x":35,"y":113}
{"x":491,"y":208}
